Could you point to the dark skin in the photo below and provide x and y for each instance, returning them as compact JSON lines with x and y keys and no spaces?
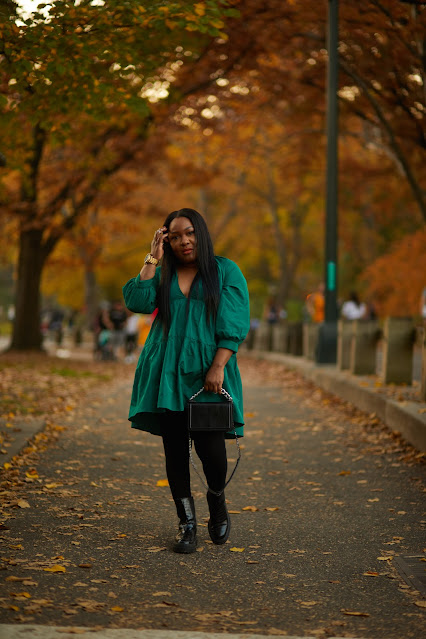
{"x":182,"y":240}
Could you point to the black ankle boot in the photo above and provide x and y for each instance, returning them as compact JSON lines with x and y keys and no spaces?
{"x":186,"y":539}
{"x":219,"y":523}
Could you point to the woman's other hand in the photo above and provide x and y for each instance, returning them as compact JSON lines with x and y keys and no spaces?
{"x":214,"y":378}
{"x":216,"y":373}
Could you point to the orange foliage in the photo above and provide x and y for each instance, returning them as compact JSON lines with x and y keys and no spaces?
{"x":396,"y":280}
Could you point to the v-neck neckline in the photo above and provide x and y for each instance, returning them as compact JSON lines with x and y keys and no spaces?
{"x":179,"y":288}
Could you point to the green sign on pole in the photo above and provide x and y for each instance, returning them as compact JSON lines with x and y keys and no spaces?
{"x":331,"y":276}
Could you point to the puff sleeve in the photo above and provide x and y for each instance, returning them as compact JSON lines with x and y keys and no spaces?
{"x":140,"y":295}
{"x":233,"y":317}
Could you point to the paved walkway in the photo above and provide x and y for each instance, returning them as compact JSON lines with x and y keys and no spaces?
{"x":321,"y":505}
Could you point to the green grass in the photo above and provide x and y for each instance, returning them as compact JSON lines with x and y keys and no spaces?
{"x":5,"y":328}
{"x":70,"y":372}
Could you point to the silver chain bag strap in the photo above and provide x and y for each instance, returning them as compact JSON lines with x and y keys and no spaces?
{"x":211,"y":416}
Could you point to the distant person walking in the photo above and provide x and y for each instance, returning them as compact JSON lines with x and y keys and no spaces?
{"x":203,"y":316}
{"x":273,"y":312}
{"x":353,"y":309}
{"x":117,"y":318}
{"x":315,"y":304}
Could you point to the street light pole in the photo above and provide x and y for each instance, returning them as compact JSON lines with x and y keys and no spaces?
{"x":327,"y":340}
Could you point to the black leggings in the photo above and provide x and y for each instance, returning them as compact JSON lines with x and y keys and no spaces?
{"x":210,"y":448}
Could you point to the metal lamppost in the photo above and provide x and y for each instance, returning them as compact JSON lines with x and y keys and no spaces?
{"x":327,"y":339}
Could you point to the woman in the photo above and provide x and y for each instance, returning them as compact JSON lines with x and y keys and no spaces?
{"x":203,"y":316}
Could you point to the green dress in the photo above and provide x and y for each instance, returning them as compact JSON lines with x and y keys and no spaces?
{"x":173,"y":367}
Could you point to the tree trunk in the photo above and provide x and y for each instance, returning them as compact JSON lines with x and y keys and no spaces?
{"x":26,"y":329}
{"x":90,"y":297}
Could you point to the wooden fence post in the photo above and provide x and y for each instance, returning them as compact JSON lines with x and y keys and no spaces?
{"x":279,"y":337}
{"x":363,"y":347}
{"x":423,"y":379}
{"x":398,"y":351}
{"x":295,"y":338}
{"x":263,"y":337}
{"x":310,"y":339}
{"x":344,"y":339}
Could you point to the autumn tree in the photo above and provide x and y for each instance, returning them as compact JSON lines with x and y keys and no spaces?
{"x":74,"y":58}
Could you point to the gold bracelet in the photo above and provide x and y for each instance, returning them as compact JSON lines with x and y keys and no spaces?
{"x":150,"y":259}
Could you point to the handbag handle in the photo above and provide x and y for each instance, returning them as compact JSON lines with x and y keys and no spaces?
{"x":218,"y":494}
{"x":222,"y":392}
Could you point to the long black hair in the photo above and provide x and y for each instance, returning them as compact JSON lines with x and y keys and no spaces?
{"x":207,"y":269}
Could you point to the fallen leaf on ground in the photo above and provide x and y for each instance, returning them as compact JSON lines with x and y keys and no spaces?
{"x":252,"y":509}
{"x":162,"y":482}
{"x":12,"y":578}
{"x":353,"y":613}
{"x":55,"y":568}
{"x":22,"y":503}
{"x":236,"y":549}
{"x":20,"y":595}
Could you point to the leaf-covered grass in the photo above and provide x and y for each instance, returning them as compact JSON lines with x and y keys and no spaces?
{"x":72,"y":372}
{"x":38,"y":384}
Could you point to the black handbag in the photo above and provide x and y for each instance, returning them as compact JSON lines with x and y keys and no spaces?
{"x":211,"y":416}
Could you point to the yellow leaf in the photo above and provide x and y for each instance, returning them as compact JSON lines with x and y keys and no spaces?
{"x":237,"y":549}
{"x":22,"y":503}
{"x":55,"y":568}
{"x":252,"y":509}
{"x":272,"y":509}
{"x":200,"y":8}
{"x":384,"y":558}
{"x":21,"y":594}
{"x":117,"y":609}
{"x":15,"y":608}
{"x":344,"y":472}
{"x":13,"y":578}
{"x":162,"y":482}
{"x":371,"y":573}
{"x":421,"y":603}
{"x":6,"y":466}
{"x":353,"y":613}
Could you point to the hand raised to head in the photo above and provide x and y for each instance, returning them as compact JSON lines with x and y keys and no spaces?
{"x":157,"y":244}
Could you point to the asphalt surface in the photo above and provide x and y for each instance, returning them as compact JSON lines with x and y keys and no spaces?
{"x":322,"y":503}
